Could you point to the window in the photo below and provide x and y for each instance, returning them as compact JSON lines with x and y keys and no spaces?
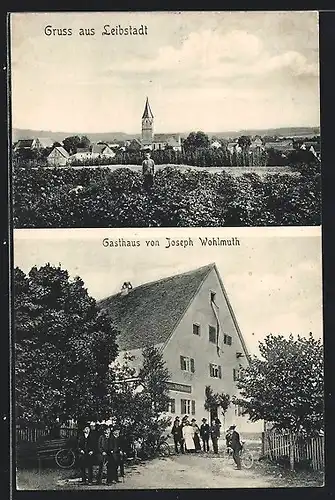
{"x":213,"y":295}
{"x":196,"y":329}
{"x":237,"y":374}
{"x":215,"y":370}
{"x":187,"y":364}
{"x":187,"y":406}
{"x":212,"y":334}
{"x":227,"y":339}
{"x":171,"y":406}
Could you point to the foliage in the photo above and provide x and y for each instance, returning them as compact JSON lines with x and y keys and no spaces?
{"x":45,"y":198}
{"x":63,"y":347}
{"x":214,"y":400}
{"x":139,"y":405}
{"x":285,"y":385}
{"x":196,"y":140}
{"x":72,"y":143}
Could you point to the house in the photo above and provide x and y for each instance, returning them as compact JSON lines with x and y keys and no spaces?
{"x":234,"y":147}
{"x":215,"y":144}
{"x":190,"y":319}
{"x":257,"y":144}
{"x":283,"y":146}
{"x":313,"y":147}
{"x":28,"y":144}
{"x":133,"y":145}
{"x":103,"y":150}
{"x":161,"y":141}
{"x":58,"y":156}
{"x":81,"y":156}
{"x":36,"y":143}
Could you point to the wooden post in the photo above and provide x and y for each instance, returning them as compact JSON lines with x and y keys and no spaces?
{"x":291,"y":439}
{"x":263,"y":444}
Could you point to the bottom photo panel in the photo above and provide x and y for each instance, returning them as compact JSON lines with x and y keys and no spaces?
{"x":167,"y":359}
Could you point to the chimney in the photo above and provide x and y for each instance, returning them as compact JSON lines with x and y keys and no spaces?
{"x":126,"y":287}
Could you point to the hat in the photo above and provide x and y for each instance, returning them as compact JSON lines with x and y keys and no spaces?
{"x":193,"y":420}
{"x":177,"y":418}
{"x":232,"y":427}
{"x":204,"y":420}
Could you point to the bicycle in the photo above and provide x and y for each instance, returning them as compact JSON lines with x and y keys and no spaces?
{"x":247,"y":458}
{"x":65,"y":458}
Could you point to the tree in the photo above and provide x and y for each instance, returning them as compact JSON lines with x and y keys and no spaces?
{"x":72,"y":143}
{"x":214,"y":401}
{"x":139,"y":402}
{"x":244,"y":141}
{"x":64,"y":345}
{"x":196,"y":140}
{"x":285,"y":385}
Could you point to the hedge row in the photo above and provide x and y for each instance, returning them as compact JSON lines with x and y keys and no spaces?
{"x":45,"y":198}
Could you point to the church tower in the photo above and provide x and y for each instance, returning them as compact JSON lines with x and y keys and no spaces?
{"x":147,"y":124}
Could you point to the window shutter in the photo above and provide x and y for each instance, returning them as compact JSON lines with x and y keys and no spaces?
{"x":220,"y":372}
{"x":173,"y":406}
{"x":193,"y":407}
{"x":181,"y":362}
{"x":210,"y":370}
{"x":192,"y":365}
{"x":183,"y":406}
{"x":234,"y":374}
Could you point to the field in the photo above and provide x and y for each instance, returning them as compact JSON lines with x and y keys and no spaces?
{"x":101,"y":197}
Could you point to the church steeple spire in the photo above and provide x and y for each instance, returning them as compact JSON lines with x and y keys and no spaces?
{"x":147,"y":124}
{"x":147,"y":113}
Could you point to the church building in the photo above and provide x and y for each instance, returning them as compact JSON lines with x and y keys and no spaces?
{"x":156,"y":141}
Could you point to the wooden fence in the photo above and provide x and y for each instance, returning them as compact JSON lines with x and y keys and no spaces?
{"x":276,"y":444}
{"x":32,"y":435}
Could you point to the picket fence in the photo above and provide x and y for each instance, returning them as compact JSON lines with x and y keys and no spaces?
{"x":32,"y":435}
{"x":277,"y":445}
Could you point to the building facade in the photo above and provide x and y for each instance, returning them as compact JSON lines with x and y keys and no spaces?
{"x":190,"y":319}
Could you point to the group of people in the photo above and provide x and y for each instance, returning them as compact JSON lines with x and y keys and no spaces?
{"x":100,"y":446}
{"x":187,"y":435}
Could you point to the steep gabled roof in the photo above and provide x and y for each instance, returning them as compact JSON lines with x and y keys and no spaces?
{"x":61,"y":151}
{"x":147,"y":113}
{"x":25,"y":143}
{"x":149,"y":313}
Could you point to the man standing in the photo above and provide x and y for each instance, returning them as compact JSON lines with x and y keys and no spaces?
{"x":86,"y":450}
{"x":148,"y":170}
{"x":235,"y":445}
{"x":215,"y":434}
{"x":118,"y":453}
{"x":177,"y":435}
{"x":204,"y":433}
{"x":104,"y":449}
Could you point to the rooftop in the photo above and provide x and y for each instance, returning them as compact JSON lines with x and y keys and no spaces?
{"x":149,"y":313}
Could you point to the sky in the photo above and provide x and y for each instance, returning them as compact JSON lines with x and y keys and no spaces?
{"x":211,"y":71}
{"x":273,"y":279}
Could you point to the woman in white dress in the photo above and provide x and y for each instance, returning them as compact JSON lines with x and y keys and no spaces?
{"x":188,"y":434}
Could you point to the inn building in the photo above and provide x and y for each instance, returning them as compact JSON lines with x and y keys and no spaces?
{"x":190,"y":319}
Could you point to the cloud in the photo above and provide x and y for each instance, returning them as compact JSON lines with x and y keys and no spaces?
{"x":208,"y":54}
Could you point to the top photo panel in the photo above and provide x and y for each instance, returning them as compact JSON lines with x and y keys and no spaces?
{"x":164,"y":119}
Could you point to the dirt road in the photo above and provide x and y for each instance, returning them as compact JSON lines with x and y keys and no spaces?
{"x":185,"y":471}
{"x":176,"y":472}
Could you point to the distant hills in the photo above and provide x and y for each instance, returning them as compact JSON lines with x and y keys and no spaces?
{"x":122,"y":136}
